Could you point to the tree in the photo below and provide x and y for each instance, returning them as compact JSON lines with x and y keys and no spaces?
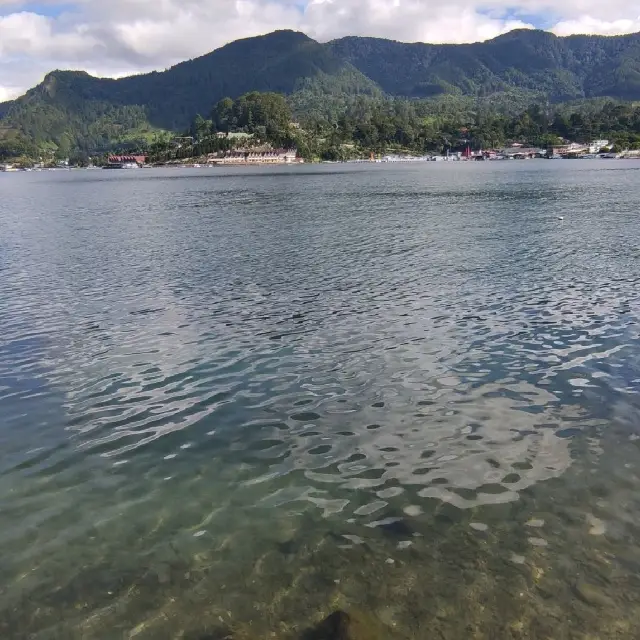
{"x":79,"y":159}
{"x":16,"y":146}
{"x":222,"y":115}
{"x":64,"y":147}
{"x":200,"y":127}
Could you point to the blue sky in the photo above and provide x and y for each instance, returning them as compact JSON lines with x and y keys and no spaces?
{"x":120,"y":37}
{"x":36,"y":7}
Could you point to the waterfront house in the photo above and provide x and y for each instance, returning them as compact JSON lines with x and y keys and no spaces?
{"x":255,"y":156}
{"x":571,"y":150}
{"x":520,"y":152}
{"x":597,"y":145}
{"x":127,"y":159}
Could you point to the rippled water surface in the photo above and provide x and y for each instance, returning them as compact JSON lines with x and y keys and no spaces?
{"x":232,"y":402}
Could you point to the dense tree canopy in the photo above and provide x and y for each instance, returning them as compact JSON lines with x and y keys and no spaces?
{"x":15,"y":145}
{"x":367,"y":125}
{"x":339,"y":129}
{"x":265,"y":114}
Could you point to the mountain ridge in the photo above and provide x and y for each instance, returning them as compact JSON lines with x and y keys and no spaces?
{"x":504,"y":37}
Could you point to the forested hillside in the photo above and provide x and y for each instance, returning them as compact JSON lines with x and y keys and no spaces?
{"x":322,"y":82}
{"x":404,"y":126}
{"x":91,"y":111}
{"x":536,"y":61}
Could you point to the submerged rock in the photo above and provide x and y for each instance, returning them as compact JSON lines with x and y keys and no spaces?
{"x":341,"y":625}
{"x":591,"y":594}
{"x":288,"y":547}
{"x":397,"y":527}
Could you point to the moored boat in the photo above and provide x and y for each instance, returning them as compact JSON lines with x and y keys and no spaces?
{"x":121,"y":165}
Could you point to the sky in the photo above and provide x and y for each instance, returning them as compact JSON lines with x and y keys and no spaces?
{"x":121,"y":37}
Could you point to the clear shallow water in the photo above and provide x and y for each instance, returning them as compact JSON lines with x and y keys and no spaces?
{"x":234,"y":401}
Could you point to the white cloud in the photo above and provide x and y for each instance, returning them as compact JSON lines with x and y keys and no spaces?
{"x":116,"y":37}
{"x":31,"y":34}
{"x":588,"y":24}
{"x":7,"y":93}
{"x":409,"y":20}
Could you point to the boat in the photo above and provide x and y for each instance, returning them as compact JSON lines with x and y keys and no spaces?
{"x":121,"y":165}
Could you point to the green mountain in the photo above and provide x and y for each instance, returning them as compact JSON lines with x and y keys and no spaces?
{"x":562,"y":68}
{"x":73,"y":109}
{"x":94,"y":111}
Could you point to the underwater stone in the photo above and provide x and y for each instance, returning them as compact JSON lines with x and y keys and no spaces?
{"x":538,"y":542}
{"x":596,"y":526}
{"x":340,"y":625}
{"x":398,"y":528}
{"x":535,"y":522}
{"x":288,"y":547}
{"x":591,"y":594}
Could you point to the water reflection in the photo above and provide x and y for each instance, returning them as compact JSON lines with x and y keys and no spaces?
{"x":267,"y":397}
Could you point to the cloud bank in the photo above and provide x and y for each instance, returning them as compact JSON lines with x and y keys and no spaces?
{"x":120,"y":37}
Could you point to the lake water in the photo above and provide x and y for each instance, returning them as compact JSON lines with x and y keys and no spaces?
{"x":234,"y":401}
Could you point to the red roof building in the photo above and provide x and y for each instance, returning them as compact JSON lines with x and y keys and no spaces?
{"x":137,"y":159}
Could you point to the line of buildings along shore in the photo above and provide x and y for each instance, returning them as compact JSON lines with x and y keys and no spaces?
{"x":266,"y":156}
{"x":517,"y":152}
{"x":237,"y":157}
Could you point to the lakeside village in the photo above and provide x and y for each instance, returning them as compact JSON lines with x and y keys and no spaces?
{"x":266,"y":155}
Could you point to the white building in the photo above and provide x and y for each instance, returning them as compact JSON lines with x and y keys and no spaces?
{"x":597,"y":145}
{"x":249,"y":156}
